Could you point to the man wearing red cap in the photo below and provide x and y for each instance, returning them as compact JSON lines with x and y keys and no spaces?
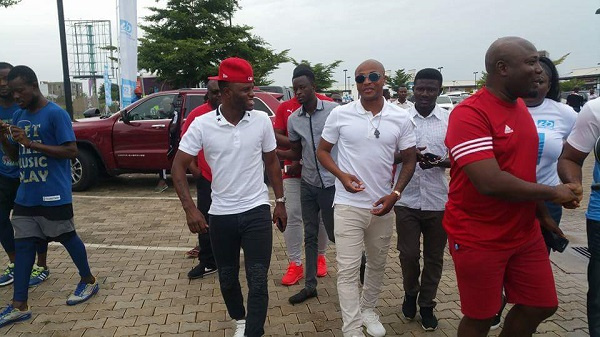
{"x":236,"y":140}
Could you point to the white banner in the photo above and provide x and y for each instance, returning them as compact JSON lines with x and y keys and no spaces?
{"x":107,"y":89}
{"x":128,"y":49}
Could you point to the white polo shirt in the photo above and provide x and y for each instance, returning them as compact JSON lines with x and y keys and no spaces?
{"x":234,"y":154}
{"x":364,"y":155}
{"x":428,"y":189}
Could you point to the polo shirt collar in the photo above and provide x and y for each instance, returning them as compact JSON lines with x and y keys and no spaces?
{"x":222,"y":121}
{"x":361,"y":110}
{"x":320,"y":106}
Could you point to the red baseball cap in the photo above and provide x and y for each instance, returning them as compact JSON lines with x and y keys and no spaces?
{"x":236,"y":70}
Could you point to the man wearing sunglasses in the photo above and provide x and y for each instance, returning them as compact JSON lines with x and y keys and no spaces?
{"x":421,"y":208}
{"x":368,"y":134}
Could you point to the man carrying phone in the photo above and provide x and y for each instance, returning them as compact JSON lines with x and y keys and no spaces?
{"x":580,"y":143}
{"x":494,"y":237}
{"x":421,"y":208}
{"x":238,"y":142}
{"x":317,"y":188}
{"x":43,"y":210}
{"x":368,"y":134}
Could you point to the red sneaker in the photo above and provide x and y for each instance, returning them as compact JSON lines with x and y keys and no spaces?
{"x":321,"y":266}
{"x":193,"y":253}
{"x":293,"y":275}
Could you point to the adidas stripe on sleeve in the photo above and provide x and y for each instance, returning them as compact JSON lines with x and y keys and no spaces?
{"x":468,"y":138}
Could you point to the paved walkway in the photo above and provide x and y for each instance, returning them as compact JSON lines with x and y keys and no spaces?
{"x":136,"y":242}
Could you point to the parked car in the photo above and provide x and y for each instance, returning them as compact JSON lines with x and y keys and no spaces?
{"x":138,"y":138}
{"x":445,"y":102}
{"x":286,"y":92}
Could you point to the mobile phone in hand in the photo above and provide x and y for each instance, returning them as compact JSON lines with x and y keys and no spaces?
{"x":280,"y":225}
{"x":559,"y":243}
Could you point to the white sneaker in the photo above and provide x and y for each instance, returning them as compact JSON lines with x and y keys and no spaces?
{"x":371,"y":322}
{"x":240,"y":328}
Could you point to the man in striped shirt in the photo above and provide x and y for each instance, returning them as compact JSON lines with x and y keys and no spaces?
{"x":494,"y":237}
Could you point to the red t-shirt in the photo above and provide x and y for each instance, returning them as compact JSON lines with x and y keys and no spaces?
{"x":484,"y":127}
{"x":281,"y":117}
{"x":199,"y":111}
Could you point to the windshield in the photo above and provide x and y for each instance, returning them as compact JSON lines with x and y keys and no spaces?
{"x":443,"y":100}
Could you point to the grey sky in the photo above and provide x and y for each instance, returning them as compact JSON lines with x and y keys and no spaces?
{"x":400,"y":33}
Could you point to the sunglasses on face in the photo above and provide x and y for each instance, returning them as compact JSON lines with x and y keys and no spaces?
{"x":373,"y":77}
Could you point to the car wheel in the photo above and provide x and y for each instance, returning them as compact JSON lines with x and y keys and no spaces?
{"x":84,"y":171}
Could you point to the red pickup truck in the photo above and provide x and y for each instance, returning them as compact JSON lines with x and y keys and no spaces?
{"x":141,"y":137}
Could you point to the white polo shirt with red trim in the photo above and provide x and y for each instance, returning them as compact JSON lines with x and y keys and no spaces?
{"x":234,"y":154}
{"x":485,"y":127}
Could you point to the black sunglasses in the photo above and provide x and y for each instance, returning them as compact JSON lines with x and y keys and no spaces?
{"x":373,"y":77}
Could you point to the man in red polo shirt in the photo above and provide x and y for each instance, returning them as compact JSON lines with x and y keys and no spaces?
{"x":294,"y":231}
{"x":201,"y":171}
{"x":494,"y":237}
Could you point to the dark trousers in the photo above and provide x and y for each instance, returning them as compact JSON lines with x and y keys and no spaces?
{"x":314,"y":200}
{"x":555,"y":211}
{"x":8,"y":192}
{"x":410,"y":224}
{"x":252,"y":231}
{"x":593,"y":295}
{"x":203,"y":200}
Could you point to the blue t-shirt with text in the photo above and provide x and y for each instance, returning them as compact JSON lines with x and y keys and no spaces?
{"x":593,"y":211}
{"x":45,"y":180}
{"x":8,"y":168}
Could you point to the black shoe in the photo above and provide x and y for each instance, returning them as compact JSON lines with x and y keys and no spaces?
{"x":498,"y":318}
{"x":303,"y":295}
{"x":428,"y":320}
{"x":496,"y":322}
{"x":409,"y":307}
{"x":363,"y":266}
{"x":201,"y":270}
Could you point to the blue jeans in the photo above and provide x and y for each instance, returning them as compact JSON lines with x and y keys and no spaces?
{"x":593,"y":295}
{"x":252,"y":231}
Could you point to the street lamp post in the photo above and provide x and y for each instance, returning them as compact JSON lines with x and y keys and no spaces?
{"x":347,"y":79}
{"x":475,"y":73}
{"x":440,"y":69}
{"x":345,"y":70}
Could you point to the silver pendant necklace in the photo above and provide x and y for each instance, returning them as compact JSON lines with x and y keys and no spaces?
{"x":376,"y":132}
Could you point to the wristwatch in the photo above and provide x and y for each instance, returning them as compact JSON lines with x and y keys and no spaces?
{"x":282,"y":200}
{"x":397,"y":193}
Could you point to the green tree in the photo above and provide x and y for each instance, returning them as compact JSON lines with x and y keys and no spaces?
{"x":561,"y":59}
{"x":481,"y":81}
{"x":566,"y":86}
{"x":184,"y":42}
{"x":399,"y":79}
{"x":323,"y":73}
{"x":8,"y":3}
{"x":114,"y":92}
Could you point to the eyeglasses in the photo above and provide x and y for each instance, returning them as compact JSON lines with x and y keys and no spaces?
{"x":373,"y":77}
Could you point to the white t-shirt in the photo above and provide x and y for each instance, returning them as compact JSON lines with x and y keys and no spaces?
{"x":234,"y":154}
{"x":428,"y":189}
{"x":554,"y":122}
{"x":364,"y":155}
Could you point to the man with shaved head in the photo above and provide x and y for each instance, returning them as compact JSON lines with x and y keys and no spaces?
{"x":494,"y":237}
{"x":368,"y":133}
